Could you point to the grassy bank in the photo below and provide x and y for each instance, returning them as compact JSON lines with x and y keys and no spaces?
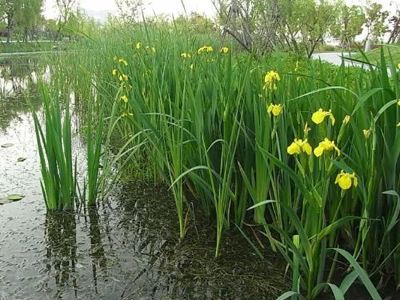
{"x":304,"y":151}
{"x":14,"y":47}
{"x":374,"y":55}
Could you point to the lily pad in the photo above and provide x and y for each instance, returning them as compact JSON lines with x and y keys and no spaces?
{"x":8,"y":145}
{"x":21,"y":159}
{"x":4,"y":201}
{"x":15,"y":197}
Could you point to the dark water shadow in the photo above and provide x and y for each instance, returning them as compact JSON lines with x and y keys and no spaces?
{"x":61,"y":248}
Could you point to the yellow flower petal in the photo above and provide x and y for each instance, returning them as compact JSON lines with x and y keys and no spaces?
{"x":270,"y":80}
{"x":346,"y":180}
{"x":224,"y":50}
{"x":318,"y":151}
{"x":275,"y":109}
{"x":307,"y":148}
{"x":318,"y":117}
{"x":293,"y":149}
{"x":367,"y":133}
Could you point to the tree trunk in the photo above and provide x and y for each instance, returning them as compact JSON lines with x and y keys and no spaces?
{"x":9,"y":26}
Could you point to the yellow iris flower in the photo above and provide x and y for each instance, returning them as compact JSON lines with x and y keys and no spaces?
{"x":275,"y":109}
{"x":224,"y":50}
{"x":114,"y":72}
{"x":138,"y":45}
{"x":185,"y":55}
{"x":325,"y":146}
{"x":123,"y":77}
{"x":298,"y":146}
{"x":123,"y":61}
{"x":205,"y":49}
{"x":270,"y":80}
{"x":346,"y":180}
{"x":367,"y":133}
{"x":319,"y":116}
{"x":124,"y":98}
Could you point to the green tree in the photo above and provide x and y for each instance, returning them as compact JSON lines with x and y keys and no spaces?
{"x":375,"y":21}
{"x":348,"y":24}
{"x":66,"y":8}
{"x":297,"y":25}
{"x":28,"y":17}
{"x":8,"y":10}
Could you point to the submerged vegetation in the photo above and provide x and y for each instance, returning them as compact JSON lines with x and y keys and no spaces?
{"x":305,"y":151}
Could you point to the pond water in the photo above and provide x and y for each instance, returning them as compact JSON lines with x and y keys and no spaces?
{"x":126,"y":248}
{"x":336,"y":58}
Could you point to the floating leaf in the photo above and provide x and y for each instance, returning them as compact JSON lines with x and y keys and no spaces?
{"x":15,"y":197}
{"x":8,"y":145}
{"x":21,"y":159}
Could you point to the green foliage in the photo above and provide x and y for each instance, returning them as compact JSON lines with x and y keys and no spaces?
{"x":375,"y":21}
{"x":205,"y":126}
{"x":54,"y":140}
{"x":348,"y":24}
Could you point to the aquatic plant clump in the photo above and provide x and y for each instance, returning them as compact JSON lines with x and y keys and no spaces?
{"x":54,"y":140}
{"x":306,"y":151}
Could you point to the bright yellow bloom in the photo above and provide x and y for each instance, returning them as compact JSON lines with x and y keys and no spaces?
{"x":191,"y":66}
{"x":123,"y":77}
{"x":270,"y":80}
{"x":346,"y":180}
{"x":275,"y":109}
{"x":124,"y":98}
{"x":398,"y":102}
{"x":205,"y":49}
{"x":346,"y":119}
{"x":299,"y":146}
{"x":114,"y":72}
{"x":398,"y":66}
{"x":327,"y":146}
{"x":319,"y":116}
{"x":150,"y":48}
{"x":367,"y":133}
{"x":138,"y":45}
{"x":123,"y":61}
{"x":186,"y":55}
{"x":224,"y":50}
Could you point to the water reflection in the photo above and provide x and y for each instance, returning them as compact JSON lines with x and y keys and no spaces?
{"x":61,"y":248}
{"x":97,"y":252}
{"x":17,"y":76}
{"x":17,"y":73}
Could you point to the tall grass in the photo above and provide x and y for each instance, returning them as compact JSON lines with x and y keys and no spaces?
{"x":54,"y":142}
{"x":204,"y":120}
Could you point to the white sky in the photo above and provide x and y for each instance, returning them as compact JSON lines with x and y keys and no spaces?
{"x":101,"y":8}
